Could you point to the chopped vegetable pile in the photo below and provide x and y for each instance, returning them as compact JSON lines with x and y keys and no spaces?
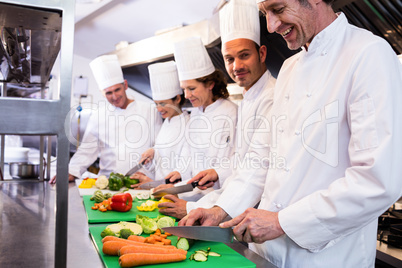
{"x":116,"y":228}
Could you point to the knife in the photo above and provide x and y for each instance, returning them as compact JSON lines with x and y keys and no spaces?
{"x":176,"y":189}
{"x":154,"y":184}
{"x":135,"y":168}
{"x":206,"y":233}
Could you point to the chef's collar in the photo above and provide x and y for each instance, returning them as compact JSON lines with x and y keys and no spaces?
{"x":322,"y":41}
{"x":120,"y":110}
{"x":177,"y":118}
{"x":211,"y":107}
{"x":257,"y":87}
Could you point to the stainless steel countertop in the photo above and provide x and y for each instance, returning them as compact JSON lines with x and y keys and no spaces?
{"x":27,"y":228}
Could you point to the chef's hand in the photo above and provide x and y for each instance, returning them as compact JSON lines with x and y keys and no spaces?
{"x":206,"y":217}
{"x":255,"y":226}
{"x":173,"y":177}
{"x":70,"y":178}
{"x":141,"y":177}
{"x":147,"y":156}
{"x":177,"y":208}
{"x":162,"y":186}
{"x":206,"y":178}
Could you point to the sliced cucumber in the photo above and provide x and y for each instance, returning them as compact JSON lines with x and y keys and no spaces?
{"x":214,"y":254}
{"x":184,"y":243}
{"x":200,"y":257}
{"x":202,"y":252}
{"x":191,"y":257}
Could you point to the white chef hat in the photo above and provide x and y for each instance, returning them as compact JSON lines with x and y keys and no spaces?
{"x":107,"y":71}
{"x":239,"y":19}
{"x":192,"y":59}
{"x":164,"y":79}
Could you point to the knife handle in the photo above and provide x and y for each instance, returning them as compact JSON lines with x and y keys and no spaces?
{"x":167,"y":181}
{"x":194,"y":184}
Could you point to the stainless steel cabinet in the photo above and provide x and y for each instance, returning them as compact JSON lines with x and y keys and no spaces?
{"x":43,"y":29}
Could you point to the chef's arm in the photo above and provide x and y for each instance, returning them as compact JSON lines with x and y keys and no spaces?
{"x":244,"y":188}
{"x":223,"y":150}
{"x":372,"y":183}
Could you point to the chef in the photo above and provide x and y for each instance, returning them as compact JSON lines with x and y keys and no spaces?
{"x":119,"y":130}
{"x":169,"y":99}
{"x":336,"y":126}
{"x":210,"y":130}
{"x":244,"y":59}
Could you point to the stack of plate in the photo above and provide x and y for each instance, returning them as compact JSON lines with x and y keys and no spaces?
{"x":16,"y":154}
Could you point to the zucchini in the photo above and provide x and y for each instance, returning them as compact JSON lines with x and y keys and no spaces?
{"x":202,"y":252}
{"x":214,"y":254}
{"x":200,"y":256}
{"x":184,"y":243}
{"x":98,"y":196}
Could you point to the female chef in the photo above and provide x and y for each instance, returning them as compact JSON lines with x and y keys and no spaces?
{"x":210,"y":130}
{"x":169,"y":98}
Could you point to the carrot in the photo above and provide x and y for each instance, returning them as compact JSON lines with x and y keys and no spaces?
{"x":150,"y":240}
{"x":158,"y":238}
{"x":145,"y":249}
{"x":110,"y":238}
{"x":102,"y":208}
{"x":163,"y":235}
{"x":137,"y":259}
{"x":159,"y":243}
{"x":131,"y":242}
{"x":158,"y":231}
{"x":168,"y":234}
{"x":136,"y":238}
{"x":166,"y":241}
{"x":113,"y":247}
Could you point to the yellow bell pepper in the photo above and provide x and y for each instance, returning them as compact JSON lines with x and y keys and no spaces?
{"x":148,"y":206}
{"x":164,"y":200}
{"x":87,"y":183}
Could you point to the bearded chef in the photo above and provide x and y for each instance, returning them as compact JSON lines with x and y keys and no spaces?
{"x":119,"y":130}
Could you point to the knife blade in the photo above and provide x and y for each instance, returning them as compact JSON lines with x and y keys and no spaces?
{"x":135,"y":168}
{"x":154,"y":184}
{"x":206,"y":233}
{"x":151,"y":184}
{"x":176,"y":189}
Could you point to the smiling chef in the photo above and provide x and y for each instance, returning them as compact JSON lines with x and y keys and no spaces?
{"x":335,"y":121}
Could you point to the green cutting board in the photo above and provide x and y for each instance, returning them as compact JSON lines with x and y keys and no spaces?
{"x":96,"y":216}
{"x":230,"y":258}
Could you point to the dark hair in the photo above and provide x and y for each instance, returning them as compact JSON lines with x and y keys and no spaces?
{"x":257,"y":46}
{"x":182,"y":99}
{"x":220,"y":88}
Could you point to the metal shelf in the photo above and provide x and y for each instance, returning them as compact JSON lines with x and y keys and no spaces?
{"x":44,"y":117}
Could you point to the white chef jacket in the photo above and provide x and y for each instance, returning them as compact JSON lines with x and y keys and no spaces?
{"x":168,"y":146}
{"x":335,"y":150}
{"x":118,"y":136}
{"x":210,"y":136}
{"x":252,"y":114}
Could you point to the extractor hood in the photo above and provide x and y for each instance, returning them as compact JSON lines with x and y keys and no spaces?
{"x":379,"y":16}
{"x":135,"y":57}
{"x":30,"y":40}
